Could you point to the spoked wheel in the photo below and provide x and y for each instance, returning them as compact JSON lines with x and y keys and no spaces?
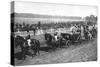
{"x":68,"y":43}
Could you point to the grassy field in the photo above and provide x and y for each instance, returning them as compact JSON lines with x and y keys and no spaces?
{"x":87,"y":51}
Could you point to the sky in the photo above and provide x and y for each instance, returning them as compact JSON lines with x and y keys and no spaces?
{"x":54,"y":9}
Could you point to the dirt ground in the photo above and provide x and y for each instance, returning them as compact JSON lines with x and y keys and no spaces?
{"x":87,"y":51}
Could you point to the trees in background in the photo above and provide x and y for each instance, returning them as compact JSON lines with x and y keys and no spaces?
{"x":91,"y":19}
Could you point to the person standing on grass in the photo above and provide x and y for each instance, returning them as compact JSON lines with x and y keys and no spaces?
{"x":82,"y":31}
{"x":34,"y":30}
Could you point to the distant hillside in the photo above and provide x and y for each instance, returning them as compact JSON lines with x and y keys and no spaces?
{"x":29,"y":15}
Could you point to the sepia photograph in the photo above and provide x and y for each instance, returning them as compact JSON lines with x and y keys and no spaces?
{"x":50,"y":33}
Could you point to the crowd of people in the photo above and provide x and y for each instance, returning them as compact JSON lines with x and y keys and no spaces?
{"x":82,"y":29}
{"x":85,"y":31}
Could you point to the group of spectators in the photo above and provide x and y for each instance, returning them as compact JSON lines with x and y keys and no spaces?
{"x":81,"y":29}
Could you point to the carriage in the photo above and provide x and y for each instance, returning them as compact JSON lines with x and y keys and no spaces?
{"x":65,"y":39}
{"x":71,"y":38}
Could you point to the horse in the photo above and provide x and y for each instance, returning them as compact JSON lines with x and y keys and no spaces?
{"x":34,"y":44}
{"x":89,"y":34}
{"x":48,"y":36}
{"x":20,"y":41}
{"x":50,"y":40}
{"x":94,"y":33}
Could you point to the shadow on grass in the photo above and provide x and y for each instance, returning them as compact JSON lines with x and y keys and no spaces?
{"x":47,"y":49}
{"x":19,"y":55}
